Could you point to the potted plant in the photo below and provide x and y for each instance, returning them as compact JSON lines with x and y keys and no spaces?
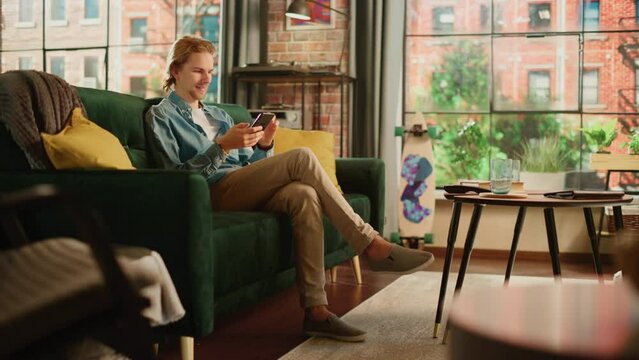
{"x":601,"y":136}
{"x":543,"y":163}
{"x":633,"y":143}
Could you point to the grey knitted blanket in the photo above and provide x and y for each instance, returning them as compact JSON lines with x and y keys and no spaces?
{"x":32,"y":102}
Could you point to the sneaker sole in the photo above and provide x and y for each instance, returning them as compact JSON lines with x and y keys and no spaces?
{"x":355,"y":338}
{"x":421,"y":267}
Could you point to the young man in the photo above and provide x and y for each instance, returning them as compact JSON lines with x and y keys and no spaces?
{"x":186,"y":134}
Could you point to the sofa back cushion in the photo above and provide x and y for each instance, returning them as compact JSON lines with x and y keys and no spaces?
{"x":122,"y":115}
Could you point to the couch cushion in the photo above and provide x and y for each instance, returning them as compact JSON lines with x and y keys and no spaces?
{"x":123,"y":116}
{"x":84,"y":144}
{"x":248,"y":246}
{"x":253,"y":246}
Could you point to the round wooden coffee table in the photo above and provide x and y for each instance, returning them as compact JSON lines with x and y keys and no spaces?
{"x":537,"y":200}
{"x":570,"y":321}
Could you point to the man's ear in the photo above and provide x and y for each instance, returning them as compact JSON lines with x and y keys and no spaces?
{"x":173,"y":69}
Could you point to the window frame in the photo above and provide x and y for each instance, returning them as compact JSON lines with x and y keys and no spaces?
{"x":494,"y":32}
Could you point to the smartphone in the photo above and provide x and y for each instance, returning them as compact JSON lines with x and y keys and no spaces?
{"x":263,"y":119}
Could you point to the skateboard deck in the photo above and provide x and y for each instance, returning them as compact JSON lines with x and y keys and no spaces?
{"x":416,"y":185}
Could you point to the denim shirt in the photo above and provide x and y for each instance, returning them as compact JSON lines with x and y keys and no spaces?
{"x":179,"y":143}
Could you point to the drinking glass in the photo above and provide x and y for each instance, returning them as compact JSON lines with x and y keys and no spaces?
{"x":501,"y":171}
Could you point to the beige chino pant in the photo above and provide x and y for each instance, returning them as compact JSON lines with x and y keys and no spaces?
{"x":294,"y":183}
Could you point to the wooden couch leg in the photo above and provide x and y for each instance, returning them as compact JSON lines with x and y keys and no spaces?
{"x":334,"y":274}
{"x":356,"y":269}
{"x":187,"y":347}
{"x":156,"y":349}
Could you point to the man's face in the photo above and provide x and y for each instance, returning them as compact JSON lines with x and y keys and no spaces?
{"x":193,"y":78}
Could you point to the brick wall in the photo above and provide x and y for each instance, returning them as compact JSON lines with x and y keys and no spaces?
{"x":310,"y":47}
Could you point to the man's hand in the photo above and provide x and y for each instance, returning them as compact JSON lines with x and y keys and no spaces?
{"x":239,"y":136}
{"x":269,"y":133}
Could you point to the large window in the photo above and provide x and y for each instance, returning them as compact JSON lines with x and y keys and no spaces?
{"x":523,"y":79}
{"x":119,"y":45}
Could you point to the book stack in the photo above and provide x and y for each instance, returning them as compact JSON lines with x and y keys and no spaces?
{"x":485,"y":184}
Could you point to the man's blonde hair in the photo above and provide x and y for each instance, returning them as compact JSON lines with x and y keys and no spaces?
{"x":179,"y":54}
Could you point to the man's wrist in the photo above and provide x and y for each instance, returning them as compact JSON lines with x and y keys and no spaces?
{"x":226,"y":153}
{"x":265,"y":148}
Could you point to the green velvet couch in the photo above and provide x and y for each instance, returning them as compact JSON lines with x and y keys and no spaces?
{"x":219,"y":261}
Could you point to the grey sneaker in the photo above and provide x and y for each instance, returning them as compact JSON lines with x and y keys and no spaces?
{"x":334,"y":328}
{"x":402,"y":261}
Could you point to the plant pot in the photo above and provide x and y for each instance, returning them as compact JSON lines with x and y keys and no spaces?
{"x":543,"y":181}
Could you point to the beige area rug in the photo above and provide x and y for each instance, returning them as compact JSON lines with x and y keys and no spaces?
{"x":399,"y":319}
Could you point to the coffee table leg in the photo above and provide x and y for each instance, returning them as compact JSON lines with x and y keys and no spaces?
{"x":553,"y":246}
{"x":521,"y":215}
{"x":618,"y":215}
{"x":450,"y":248}
{"x":592,"y":234}
{"x":468,"y":248}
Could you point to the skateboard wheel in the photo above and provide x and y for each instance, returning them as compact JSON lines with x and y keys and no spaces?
{"x":399,"y":131}
{"x":394,"y":238}
{"x":428,"y":238}
{"x":433,"y":132}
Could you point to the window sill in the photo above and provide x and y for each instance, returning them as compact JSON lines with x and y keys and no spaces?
{"x":25,"y":25}
{"x":58,"y":23}
{"x":90,"y":22}
{"x":590,"y":107}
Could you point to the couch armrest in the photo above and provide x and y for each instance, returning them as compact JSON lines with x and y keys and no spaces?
{"x":364,"y":176}
{"x":167,"y":211}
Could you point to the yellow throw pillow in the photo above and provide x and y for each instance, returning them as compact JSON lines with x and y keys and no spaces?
{"x":83,"y":144}
{"x":321,"y":143}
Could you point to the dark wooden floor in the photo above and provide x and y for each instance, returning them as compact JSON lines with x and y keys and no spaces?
{"x":273,"y":327}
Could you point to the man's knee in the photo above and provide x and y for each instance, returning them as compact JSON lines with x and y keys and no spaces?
{"x":305,"y":154}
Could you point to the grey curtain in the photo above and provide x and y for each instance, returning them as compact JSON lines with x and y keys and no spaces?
{"x":244,"y":40}
{"x":368,"y":35}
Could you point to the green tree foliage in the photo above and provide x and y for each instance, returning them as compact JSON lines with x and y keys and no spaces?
{"x":460,"y":82}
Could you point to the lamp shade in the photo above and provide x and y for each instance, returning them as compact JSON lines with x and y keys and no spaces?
{"x":298,"y":10}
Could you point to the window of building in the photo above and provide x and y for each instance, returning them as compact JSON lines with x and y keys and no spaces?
{"x":57,"y":66}
{"x":25,"y":12}
{"x":58,"y":10}
{"x":590,"y":87}
{"x":91,"y":67}
{"x":137,"y":86}
{"x":443,"y":19}
{"x":591,"y":15}
{"x":539,"y":15}
{"x":91,"y":9}
{"x":138,"y":29}
{"x":25,"y":63}
{"x":539,"y":86}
